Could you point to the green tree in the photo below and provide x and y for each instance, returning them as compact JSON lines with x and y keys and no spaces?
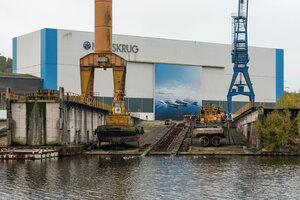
{"x":289,"y":100}
{"x":5,"y":64}
{"x":9,"y":63}
{"x":278,"y":131}
{"x":2,"y":63}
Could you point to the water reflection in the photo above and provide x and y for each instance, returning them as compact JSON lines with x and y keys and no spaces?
{"x":96,"y":177}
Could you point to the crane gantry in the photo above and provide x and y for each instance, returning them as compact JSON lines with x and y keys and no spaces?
{"x":119,"y":124}
{"x":240,"y":57}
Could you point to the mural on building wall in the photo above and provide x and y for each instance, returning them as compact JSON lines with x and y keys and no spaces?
{"x":177,"y":91}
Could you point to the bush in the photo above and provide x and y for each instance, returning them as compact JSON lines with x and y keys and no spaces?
{"x":5,"y":64}
{"x":278,"y":131}
{"x":289,"y":100}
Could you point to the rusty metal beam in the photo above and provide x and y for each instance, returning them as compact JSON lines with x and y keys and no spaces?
{"x":103,"y":26}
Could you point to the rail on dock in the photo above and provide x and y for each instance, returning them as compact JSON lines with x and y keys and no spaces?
{"x":57,"y":95}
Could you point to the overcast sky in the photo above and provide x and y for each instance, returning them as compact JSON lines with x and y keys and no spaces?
{"x":272,"y":23}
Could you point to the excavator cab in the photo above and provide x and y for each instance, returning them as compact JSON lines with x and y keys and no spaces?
{"x":118,"y":116}
{"x":118,"y":108}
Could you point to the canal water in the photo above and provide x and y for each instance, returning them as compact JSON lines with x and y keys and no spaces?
{"x":96,"y":177}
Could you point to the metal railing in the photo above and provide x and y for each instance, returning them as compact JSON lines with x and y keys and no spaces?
{"x":266,"y":103}
{"x":54,"y":95}
{"x":86,"y":100}
{"x":245,"y":108}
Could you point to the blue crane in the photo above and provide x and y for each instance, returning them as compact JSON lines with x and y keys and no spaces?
{"x":241,"y":79}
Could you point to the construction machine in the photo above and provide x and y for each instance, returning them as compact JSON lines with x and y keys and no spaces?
{"x":208,"y":125}
{"x":119,"y":126}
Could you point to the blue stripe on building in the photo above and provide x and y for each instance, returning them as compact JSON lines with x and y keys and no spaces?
{"x":49,"y":58}
{"x":279,"y":73}
{"x":15,"y":45}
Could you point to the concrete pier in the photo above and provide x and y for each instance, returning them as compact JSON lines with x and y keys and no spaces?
{"x":50,"y":117}
{"x":48,"y":122}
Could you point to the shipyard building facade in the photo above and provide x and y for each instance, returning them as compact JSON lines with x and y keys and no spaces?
{"x":165,"y":78}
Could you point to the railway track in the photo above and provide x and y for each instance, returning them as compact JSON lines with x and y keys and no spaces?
{"x":167,"y":141}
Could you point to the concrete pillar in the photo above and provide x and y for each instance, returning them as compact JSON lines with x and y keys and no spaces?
{"x":61,"y":115}
{"x":18,"y":130}
{"x":86,"y":125}
{"x":92,"y":126}
{"x":83,"y":126}
{"x":80,"y":124}
{"x":96,"y":124}
{"x":72,"y":125}
{"x":76,"y":119}
{"x":9,"y":117}
{"x":52,"y":123}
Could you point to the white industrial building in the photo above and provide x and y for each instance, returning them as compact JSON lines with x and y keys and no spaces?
{"x":54,"y":56}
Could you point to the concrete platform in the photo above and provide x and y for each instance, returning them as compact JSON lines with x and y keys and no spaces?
{"x":134,"y":152}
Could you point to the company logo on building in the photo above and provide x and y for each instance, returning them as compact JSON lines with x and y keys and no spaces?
{"x":116,"y":48}
{"x":125,"y":48}
{"x":87,"y":45}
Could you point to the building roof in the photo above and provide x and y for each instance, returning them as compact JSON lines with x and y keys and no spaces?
{"x":11,"y":75}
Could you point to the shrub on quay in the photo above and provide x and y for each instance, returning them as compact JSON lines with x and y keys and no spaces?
{"x":278,"y":131}
{"x":289,"y":100}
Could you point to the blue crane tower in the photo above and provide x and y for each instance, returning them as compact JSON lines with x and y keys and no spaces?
{"x":240,"y":80}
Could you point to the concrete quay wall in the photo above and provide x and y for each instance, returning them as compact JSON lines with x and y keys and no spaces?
{"x":246,"y":124}
{"x":49,"y":122}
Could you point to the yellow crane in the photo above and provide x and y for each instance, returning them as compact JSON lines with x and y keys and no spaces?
{"x":118,"y":123}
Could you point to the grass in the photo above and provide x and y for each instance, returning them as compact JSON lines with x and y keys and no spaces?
{"x":175,"y":150}
{"x":216,"y":150}
{"x":2,"y":123}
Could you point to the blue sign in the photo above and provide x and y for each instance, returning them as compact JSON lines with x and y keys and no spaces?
{"x":87,"y":45}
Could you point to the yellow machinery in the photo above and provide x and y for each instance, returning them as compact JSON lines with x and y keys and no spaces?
{"x":208,"y":126}
{"x":210,"y":114}
{"x":104,"y":58}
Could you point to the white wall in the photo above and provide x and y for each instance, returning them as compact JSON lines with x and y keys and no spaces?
{"x":143,"y":116}
{"x":215,"y":59}
{"x":213,"y":86}
{"x":139,"y":81}
{"x":3,"y":114}
{"x":263,"y":73}
{"x":262,"y":70}
{"x":29,"y":54}
{"x":69,"y":51}
{"x":215,"y":80}
{"x":156,"y":50}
